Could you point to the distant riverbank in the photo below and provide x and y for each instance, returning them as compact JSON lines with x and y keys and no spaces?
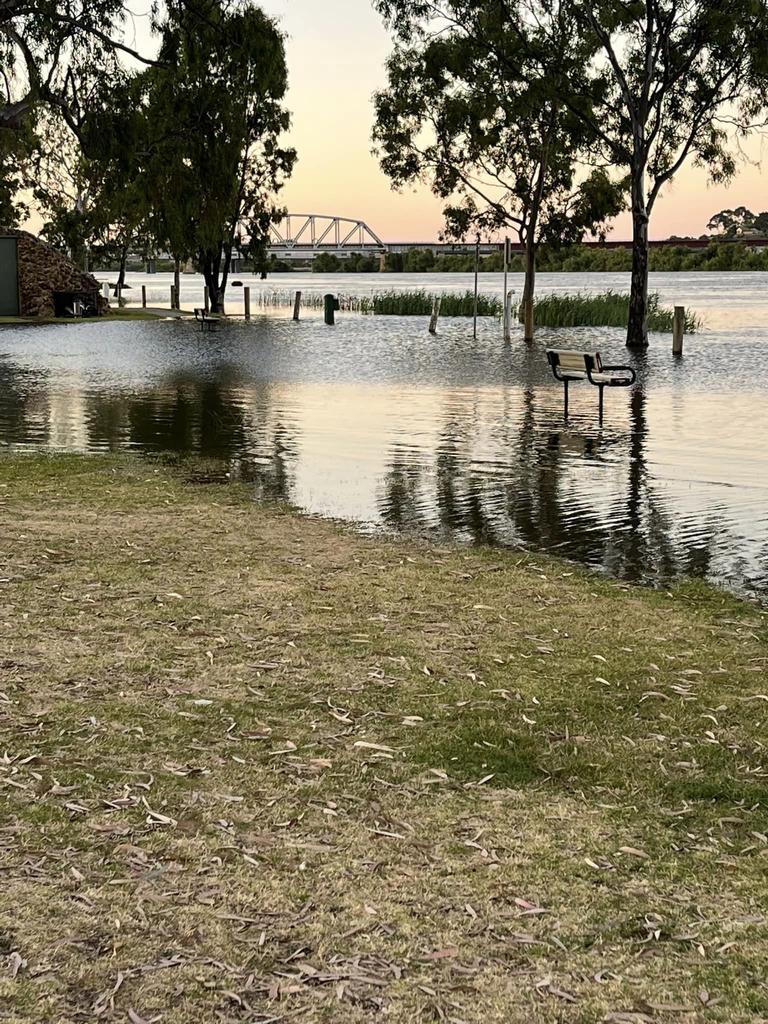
{"x":719,"y":256}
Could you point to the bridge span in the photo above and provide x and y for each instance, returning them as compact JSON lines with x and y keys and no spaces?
{"x":304,"y":236}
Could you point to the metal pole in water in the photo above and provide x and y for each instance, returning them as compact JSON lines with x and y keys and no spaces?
{"x":508,"y":315}
{"x":297,"y":306}
{"x":477,"y":270}
{"x":678,"y":330}
{"x":247,"y":302}
{"x":506,"y":275}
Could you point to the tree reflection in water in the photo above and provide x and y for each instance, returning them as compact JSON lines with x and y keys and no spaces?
{"x":503,"y":467}
{"x":221,"y":421}
{"x":527,"y":500}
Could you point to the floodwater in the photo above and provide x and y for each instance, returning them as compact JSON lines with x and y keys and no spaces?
{"x":376,"y":422}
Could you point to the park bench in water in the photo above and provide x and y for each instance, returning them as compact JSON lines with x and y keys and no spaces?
{"x":570,"y":366}
{"x":208,"y":321}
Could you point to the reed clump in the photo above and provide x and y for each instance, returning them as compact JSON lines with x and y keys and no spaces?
{"x":391,"y":303}
{"x":608,"y":309}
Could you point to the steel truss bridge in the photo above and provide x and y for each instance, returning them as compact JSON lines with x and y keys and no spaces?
{"x":305,"y":235}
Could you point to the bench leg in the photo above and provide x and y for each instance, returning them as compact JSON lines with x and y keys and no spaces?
{"x":600,"y":389}
{"x":565,"y":398}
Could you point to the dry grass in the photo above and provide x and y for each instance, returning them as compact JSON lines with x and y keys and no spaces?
{"x":255,"y":768}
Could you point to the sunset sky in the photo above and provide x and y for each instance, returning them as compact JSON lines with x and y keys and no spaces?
{"x":336,"y":53}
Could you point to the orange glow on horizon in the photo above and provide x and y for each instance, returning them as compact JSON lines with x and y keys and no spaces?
{"x":336,"y":54}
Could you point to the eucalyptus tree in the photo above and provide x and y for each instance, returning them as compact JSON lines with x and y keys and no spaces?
{"x":17,"y":149}
{"x":214,"y":159}
{"x":732,"y":223}
{"x":675,"y":81}
{"x":47,"y":45}
{"x":657,"y":83}
{"x":483,"y":126}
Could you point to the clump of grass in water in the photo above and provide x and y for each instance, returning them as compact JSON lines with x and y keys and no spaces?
{"x":410,"y":303}
{"x":609,"y":309}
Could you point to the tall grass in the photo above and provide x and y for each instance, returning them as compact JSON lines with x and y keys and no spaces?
{"x":391,"y":303}
{"x":609,"y":309}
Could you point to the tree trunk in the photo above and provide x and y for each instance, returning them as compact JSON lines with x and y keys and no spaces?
{"x":210,"y":263}
{"x":637,"y":329}
{"x":121,"y":272}
{"x":225,"y":273}
{"x":177,"y":282}
{"x":529,"y":288}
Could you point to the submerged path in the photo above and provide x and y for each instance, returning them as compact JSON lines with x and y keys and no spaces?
{"x":255,"y":767}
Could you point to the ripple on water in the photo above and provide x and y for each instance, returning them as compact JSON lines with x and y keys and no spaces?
{"x":377,"y":422}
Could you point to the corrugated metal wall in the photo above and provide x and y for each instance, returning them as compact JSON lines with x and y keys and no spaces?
{"x":9,"y":277}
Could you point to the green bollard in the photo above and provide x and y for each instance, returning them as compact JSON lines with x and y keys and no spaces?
{"x":331,"y":304}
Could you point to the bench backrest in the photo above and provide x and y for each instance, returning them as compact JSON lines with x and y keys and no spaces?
{"x":570,"y":361}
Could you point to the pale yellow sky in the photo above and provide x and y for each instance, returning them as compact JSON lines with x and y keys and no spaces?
{"x":336,"y":52}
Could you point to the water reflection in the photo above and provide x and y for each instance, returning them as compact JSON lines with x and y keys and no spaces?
{"x":530,"y":501}
{"x":375,"y":424}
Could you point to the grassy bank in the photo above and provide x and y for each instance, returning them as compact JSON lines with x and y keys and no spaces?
{"x":257,"y":768}
{"x":114,"y":314}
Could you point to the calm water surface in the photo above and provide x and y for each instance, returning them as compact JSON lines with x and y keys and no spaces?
{"x":377,"y":422}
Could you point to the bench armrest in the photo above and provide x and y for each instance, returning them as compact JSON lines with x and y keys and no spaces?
{"x":627,"y":372}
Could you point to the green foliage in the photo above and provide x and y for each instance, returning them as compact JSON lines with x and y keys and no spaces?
{"x":420,"y":303}
{"x":610,"y":309}
{"x":184,"y":156}
{"x":741,"y":221}
{"x":16,"y":149}
{"x":482,"y":124}
{"x":648,"y":83}
{"x":717,"y":256}
{"x":213,"y":117}
{"x":666,"y":74}
{"x":355,"y":263}
{"x":53,"y":52}
{"x":722,"y":256}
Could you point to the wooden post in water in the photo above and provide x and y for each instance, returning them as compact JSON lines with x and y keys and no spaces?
{"x":330,"y":305}
{"x":435,"y":315}
{"x":529,"y":322}
{"x":678,"y":330}
{"x":143,"y":296}
{"x":297,"y":306}
{"x":247,"y":302}
{"x":477,"y":271}
{"x":206,"y":299}
{"x":507,"y":327}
